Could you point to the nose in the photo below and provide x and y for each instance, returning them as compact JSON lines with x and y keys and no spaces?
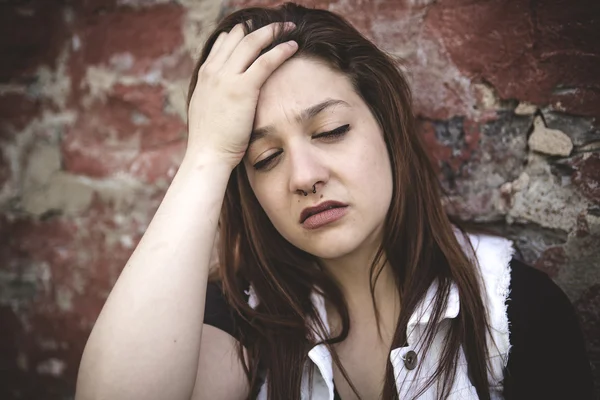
{"x":307,"y":169}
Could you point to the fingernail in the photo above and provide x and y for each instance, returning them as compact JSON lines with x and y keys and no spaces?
{"x":289,"y":25}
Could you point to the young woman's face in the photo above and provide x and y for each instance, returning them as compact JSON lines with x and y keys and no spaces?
{"x":291,"y":150}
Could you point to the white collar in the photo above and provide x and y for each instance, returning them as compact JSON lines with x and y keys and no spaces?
{"x":493,"y":255}
{"x":422,"y":313}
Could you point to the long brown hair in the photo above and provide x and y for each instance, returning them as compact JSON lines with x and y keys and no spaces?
{"x":419,"y":242}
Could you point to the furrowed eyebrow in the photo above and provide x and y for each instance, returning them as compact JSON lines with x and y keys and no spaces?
{"x":305,"y":115}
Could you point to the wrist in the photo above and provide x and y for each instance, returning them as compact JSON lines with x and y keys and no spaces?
{"x":202,"y":177}
{"x":207,"y":161}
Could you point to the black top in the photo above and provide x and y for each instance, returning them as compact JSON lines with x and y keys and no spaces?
{"x":547,"y":359}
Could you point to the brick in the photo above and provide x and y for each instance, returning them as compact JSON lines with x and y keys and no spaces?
{"x":580,"y":100}
{"x":145,"y":34}
{"x":109,"y":135}
{"x":586,"y":175}
{"x":522,"y":53}
{"x":179,"y":68}
{"x":551,"y":261}
{"x":149,"y":102}
{"x":451,"y":142}
{"x":16,"y":111}
{"x":81,"y":264}
{"x":85,"y":153}
{"x":32,"y":34}
{"x":398,"y":27}
{"x":153,"y":165}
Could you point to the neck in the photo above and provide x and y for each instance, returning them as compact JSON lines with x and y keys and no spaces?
{"x":352,"y":273}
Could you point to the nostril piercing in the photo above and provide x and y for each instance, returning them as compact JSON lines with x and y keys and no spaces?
{"x":314,"y":188}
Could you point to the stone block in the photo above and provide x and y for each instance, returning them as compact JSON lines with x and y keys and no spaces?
{"x":549,"y":141}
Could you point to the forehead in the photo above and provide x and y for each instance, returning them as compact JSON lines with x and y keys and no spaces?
{"x":296,"y":85}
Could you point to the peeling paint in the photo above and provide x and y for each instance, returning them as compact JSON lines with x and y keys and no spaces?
{"x":525,"y":108}
{"x":488,"y":98}
{"x":52,"y":367}
{"x":122,"y":62}
{"x":54,"y":85}
{"x":51,"y":124}
{"x":200,"y":20}
{"x":64,"y":299}
{"x":102,"y":132}
{"x":177,"y":99}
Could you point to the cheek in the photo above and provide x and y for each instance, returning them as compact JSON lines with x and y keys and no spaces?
{"x":271,"y":200}
{"x":376,"y":179}
{"x":271,"y":191}
{"x":375,"y":166}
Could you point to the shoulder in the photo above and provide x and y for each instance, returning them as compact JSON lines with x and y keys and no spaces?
{"x":537,"y":304}
{"x":221,"y":374}
{"x":532,"y":291}
{"x":515,"y":289}
{"x":534,"y":328}
{"x":547,"y":356}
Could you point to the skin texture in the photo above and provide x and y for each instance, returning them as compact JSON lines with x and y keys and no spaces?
{"x":353,"y":168}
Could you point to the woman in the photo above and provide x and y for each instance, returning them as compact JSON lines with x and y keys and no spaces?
{"x":340,"y":275}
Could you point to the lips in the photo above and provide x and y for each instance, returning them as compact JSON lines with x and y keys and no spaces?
{"x":326,"y":205}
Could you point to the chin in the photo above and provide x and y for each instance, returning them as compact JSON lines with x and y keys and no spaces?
{"x":331,"y":249}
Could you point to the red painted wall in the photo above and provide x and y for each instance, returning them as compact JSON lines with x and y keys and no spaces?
{"x":92,"y":128}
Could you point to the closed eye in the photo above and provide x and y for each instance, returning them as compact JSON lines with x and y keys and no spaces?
{"x":264,"y":163}
{"x":334,"y":134}
{"x":330,"y":135}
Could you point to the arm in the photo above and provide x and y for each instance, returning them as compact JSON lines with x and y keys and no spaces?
{"x":148,"y":342}
{"x":219,"y":360}
{"x":220,"y":373}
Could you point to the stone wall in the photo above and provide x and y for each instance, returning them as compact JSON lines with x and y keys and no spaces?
{"x":92,"y":111}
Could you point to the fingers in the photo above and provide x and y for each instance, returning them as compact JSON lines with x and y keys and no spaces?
{"x":215,"y":47}
{"x":264,"y":65}
{"x":251,"y":45}
{"x":228,"y":45}
{"x":236,"y":53}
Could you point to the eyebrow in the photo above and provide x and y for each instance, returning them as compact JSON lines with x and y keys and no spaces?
{"x":305,"y":115}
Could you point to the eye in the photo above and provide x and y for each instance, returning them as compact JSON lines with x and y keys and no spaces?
{"x":334,"y":134}
{"x":265,"y":163}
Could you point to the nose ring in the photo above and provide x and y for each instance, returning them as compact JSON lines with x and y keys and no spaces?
{"x":314,"y":190}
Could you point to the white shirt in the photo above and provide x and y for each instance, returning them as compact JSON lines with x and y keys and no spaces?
{"x":494,"y":255}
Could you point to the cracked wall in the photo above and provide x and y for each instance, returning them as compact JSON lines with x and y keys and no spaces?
{"x":92,"y":128}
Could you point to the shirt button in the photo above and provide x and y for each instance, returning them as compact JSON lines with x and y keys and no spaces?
{"x":410,"y":360}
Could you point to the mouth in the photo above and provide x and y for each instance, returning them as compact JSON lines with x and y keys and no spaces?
{"x":319,"y":208}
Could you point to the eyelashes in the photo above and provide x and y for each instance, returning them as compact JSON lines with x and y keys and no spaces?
{"x":263,"y":164}
{"x":329,"y":136}
{"x":337,"y":132}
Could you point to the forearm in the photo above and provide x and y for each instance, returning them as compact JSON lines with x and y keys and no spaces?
{"x":146,"y":341}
